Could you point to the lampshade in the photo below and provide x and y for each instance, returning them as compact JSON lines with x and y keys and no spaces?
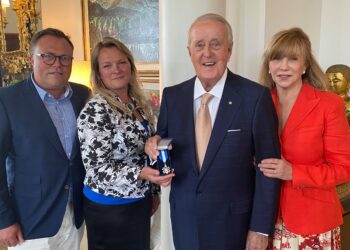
{"x":81,"y":73}
{"x":5,"y":3}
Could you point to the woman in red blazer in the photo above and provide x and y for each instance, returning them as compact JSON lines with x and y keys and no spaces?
{"x":315,"y":143}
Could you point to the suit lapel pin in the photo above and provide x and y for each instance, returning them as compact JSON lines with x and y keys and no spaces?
{"x":230,"y":102}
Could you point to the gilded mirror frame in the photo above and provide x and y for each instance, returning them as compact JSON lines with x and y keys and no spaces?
{"x":15,"y":62}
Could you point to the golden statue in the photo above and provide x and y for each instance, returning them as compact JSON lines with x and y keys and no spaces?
{"x":339,"y":79}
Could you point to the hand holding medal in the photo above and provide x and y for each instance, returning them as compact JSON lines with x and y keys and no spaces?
{"x":163,"y":160}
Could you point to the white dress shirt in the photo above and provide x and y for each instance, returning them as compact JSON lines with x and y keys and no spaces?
{"x":216,"y":91}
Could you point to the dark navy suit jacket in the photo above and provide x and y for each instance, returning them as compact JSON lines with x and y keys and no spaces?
{"x":215,"y":208}
{"x":40,"y":170}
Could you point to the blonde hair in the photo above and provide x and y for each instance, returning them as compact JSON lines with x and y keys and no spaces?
{"x":290,"y":43}
{"x":134,"y":89}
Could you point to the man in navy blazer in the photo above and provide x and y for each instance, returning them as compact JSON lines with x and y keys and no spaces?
{"x":42,"y":206}
{"x":227,"y":204}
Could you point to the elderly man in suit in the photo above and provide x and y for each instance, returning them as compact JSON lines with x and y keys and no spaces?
{"x":218,"y":199}
{"x":42,"y":207}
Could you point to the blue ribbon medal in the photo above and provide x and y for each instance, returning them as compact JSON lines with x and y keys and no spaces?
{"x":164,"y":159}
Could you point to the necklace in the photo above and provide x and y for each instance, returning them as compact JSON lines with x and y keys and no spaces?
{"x":130,"y":106}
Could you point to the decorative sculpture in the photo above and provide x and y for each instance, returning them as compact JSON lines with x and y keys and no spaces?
{"x":339,"y":79}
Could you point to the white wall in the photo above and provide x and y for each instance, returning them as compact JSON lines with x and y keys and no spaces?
{"x":233,"y":17}
{"x":284,"y":14}
{"x":247,"y":18}
{"x":335,"y":33}
{"x":65,"y":15}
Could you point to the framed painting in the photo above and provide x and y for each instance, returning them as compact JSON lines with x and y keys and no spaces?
{"x":136,"y":24}
{"x":149,"y":78}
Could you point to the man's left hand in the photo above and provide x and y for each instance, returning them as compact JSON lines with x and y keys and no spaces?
{"x":256,"y":241}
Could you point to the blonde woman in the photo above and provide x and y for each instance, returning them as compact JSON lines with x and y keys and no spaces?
{"x":315,"y":145}
{"x":113,"y":128}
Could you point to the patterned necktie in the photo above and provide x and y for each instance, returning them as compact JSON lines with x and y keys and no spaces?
{"x":203,"y":128}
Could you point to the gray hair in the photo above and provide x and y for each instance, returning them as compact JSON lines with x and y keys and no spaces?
{"x":213,"y":17}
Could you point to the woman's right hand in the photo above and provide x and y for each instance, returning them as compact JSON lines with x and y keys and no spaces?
{"x":153,"y":175}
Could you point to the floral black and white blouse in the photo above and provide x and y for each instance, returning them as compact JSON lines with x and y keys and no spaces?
{"x":112,"y":148}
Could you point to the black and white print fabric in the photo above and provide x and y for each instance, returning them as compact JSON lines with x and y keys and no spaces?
{"x":112,"y":148}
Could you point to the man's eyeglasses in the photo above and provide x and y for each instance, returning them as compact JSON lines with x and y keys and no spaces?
{"x":50,"y":59}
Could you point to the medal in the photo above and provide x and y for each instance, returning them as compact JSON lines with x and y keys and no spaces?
{"x":164,"y":156}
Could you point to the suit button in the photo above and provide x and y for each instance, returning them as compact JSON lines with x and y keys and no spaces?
{"x":66,"y":187}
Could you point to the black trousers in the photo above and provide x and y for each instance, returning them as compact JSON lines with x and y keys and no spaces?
{"x":118,"y":227}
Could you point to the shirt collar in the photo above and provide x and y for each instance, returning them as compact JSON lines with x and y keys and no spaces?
{"x":44,"y":94}
{"x":215,"y":91}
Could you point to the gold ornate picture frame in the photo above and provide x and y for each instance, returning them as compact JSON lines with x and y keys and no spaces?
{"x":15,"y":62}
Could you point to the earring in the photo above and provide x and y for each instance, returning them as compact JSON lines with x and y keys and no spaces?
{"x":303,"y":72}
{"x":269,"y":72}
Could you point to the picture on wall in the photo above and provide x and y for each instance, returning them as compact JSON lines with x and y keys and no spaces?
{"x":149,"y":79}
{"x":134,"y":22}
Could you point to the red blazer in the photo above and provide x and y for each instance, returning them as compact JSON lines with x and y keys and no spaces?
{"x":316,"y":141}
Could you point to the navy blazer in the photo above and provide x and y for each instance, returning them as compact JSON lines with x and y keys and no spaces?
{"x":41,"y":171}
{"x":215,"y":208}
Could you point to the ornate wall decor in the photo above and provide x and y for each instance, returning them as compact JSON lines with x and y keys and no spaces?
{"x":2,"y":32}
{"x":14,"y":62}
